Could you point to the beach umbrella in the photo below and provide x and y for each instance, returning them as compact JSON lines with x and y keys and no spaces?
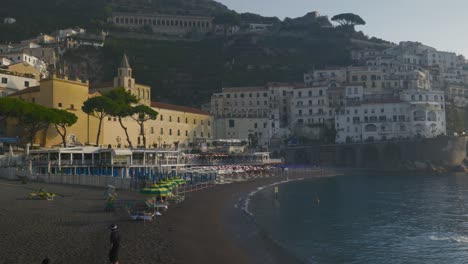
{"x":156,"y":191}
{"x":168,"y":185}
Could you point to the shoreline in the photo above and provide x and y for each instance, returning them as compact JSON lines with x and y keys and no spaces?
{"x":236,"y":236}
{"x":205,"y":228}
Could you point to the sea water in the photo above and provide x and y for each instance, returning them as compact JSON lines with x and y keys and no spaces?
{"x":368,"y":219}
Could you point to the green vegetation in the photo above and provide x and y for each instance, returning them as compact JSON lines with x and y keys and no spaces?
{"x":34,"y":17}
{"x":62,"y":120}
{"x":457,"y":119}
{"x":98,"y":107}
{"x":122,"y":107}
{"x":141,"y":114}
{"x":349,"y":19}
{"x":34,"y":117}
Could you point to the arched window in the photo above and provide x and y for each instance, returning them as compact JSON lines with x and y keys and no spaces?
{"x":370,"y":128}
{"x":431,"y":116}
{"x":129,"y":83}
{"x":419,"y":116}
{"x":420,"y":98}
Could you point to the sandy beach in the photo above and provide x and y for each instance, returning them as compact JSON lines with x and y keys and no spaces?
{"x":205,"y":228}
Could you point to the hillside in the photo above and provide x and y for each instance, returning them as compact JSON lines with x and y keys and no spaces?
{"x":188,"y":71}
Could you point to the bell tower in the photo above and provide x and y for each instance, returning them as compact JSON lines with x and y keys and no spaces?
{"x":124,"y":76}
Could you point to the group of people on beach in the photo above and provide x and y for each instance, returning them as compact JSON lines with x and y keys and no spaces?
{"x":115,"y":246}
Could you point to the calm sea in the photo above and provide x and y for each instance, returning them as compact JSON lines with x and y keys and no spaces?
{"x":369,"y":219}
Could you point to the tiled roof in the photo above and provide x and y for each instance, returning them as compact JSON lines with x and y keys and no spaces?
{"x":32,"y":89}
{"x":178,"y":108}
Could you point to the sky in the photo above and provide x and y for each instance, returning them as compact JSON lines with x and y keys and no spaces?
{"x":441,"y":24}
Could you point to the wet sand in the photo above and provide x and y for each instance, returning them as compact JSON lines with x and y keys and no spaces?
{"x":205,"y":228}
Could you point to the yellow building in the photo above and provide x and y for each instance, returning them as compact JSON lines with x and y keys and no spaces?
{"x":65,"y":94}
{"x":124,"y":79}
{"x":175,"y":125}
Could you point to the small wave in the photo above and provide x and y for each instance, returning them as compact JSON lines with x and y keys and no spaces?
{"x":245,"y":206}
{"x":453,"y":238}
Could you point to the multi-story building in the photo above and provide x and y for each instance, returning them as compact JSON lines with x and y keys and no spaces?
{"x":168,"y":24}
{"x":309,"y":106}
{"x":412,"y":114}
{"x":11,"y":82}
{"x":175,"y":126}
{"x":40,"y":65}
{"x":245,"y":112}
{"x":125,"y":80}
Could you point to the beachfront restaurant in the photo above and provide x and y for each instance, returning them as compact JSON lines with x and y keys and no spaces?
{"x":96,"y":161}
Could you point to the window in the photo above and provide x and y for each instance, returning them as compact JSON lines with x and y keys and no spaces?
{"x":72,"y":106}
{"x":4,"y":80}
{"x":201,"y":134}
{"x":209,"y":123}
{"x":162,"y":131}
{"x":186,"y":133}
{"x":170,"y":132}
{"x":59,"y":104}
{"x":186,"y":120}
{"x":26,"y":84}
{"x":232,"y":123}
{"x":194,"y":121}
{"x":178,"y":119}
{"x":255,"y":125}
{"x":178,"y":132}
{"x":170,"y":118}
{"x":370,"y":128}
{"x":264,"y":125}
{"x":161,"y":117}
{"x":152,"y":130}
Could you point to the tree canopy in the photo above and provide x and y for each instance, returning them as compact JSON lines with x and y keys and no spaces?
{"x":122,"y":107}
{"x":141,"y":114}
{"x":63,"y":119}
{"x":99,"y":107}
{"x":348,"y":19}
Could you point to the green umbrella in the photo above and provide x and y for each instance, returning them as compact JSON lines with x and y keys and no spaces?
{"x":168,"y":185}
{"x":180,"y":181}
{"x":156,"y":191}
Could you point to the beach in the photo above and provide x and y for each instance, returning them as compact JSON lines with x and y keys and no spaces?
{"x":206,"y":228}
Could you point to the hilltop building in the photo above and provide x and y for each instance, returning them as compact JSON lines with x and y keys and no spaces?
{"x":164,"y":24}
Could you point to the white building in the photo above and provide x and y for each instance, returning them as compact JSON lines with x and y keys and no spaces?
{"x":40,"y":65}
{"x":243,"y":112}
{"x":9,"y":20}
{"x":5,"y":61}
{"x":310,"y":106}
{"x":442,"y":59}
{"x":253,"y":27}
{"x":415,"y":113}
{"x":11,"y":83}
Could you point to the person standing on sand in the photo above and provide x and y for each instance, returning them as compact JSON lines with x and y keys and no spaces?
{"x":115,"y":243}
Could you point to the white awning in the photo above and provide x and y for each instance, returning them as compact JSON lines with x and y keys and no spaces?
{"x":121,"y":152}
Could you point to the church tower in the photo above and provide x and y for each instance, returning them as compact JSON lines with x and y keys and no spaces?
{"x":124,"y":76}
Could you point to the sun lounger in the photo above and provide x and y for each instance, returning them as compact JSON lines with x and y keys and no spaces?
{"x":145,"y":216}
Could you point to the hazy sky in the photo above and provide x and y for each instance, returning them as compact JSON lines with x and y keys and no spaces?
{"x":442,"y":24}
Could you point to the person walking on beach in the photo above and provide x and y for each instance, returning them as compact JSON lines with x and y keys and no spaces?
{"x":115,"y":244}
